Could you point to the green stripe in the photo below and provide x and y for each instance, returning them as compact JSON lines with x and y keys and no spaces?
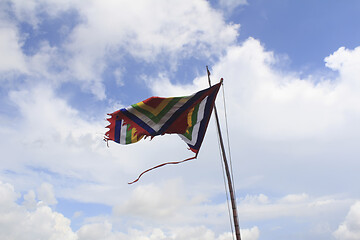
{"x":195,"y":114}
{"x":158,"y":117}
{"x":128,"y":135}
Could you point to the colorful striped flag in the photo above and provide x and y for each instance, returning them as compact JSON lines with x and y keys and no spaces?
{"x":187,"y":116}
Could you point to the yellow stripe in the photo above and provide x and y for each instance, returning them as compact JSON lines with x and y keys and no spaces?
{"x":189,"y":119}
{"x":134,"y":138}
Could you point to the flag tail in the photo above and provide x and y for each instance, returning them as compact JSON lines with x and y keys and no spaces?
{"x":161,"y":165}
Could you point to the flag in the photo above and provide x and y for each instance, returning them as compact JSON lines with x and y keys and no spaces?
{"x":187,"y":116}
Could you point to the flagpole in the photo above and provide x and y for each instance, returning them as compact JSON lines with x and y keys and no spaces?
{"x":227,"y":171}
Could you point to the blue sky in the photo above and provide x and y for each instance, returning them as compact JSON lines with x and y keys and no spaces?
{"x":291,"y":81}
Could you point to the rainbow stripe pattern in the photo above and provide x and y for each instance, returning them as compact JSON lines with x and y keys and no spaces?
{"x":187,"y":116}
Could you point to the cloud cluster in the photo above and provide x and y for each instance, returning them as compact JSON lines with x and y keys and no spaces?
{"x":350,"y":228}
{"x":149,"y":31}
{"x":160,"y":31}
{"x":19,"y":221}
{"x":281,"y":105}
{"x":260,"y":207}
{"x":278,"y":105}
{"x":40,"y":221}
{"x":104,"y":231}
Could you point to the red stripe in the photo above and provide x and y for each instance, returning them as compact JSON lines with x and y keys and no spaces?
{"x":153,"y":101}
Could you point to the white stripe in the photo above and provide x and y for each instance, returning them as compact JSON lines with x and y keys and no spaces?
{"x":196,"y":128}
{"x":123,"y":133}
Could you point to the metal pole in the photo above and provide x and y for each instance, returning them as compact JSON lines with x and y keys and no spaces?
{"x":227,"y":171}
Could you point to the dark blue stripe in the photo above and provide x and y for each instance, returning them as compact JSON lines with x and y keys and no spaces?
{"x":117,"y":131}
{"x":204,"y":122}
{"x":139,"y":122}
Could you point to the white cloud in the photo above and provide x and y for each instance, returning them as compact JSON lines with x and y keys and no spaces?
{"x":105,"y":231}
{"x":250,"y":234}
{"x":31,"y":10}
{"x":257,"y":199}
{"x":30,"y":200}
{"x":37,"y":66}
{"x":46,"y":194}
{"x":160,"y":29}
{"x":350,"y":228}
{"x":11,"y":58}
{"x":154,"y":202}
{"x":42,"y":63}
{"x":260,"y":207}
{"x":193,"y":233}
{"x":118,"y":74}
{"x":162,"y":86}
{"x":96,"y":231}
{"x":277,"y":105}
{"x":149,"y":202}
{"x":7,"y":196}
{"x":149,"y":31}
{"x":345,"y":61}
{"x":47,"y":115}
{"x":294,"y":198}
{"x":232,"y":4}
{"x":18,"y":223}
{"x":26,"y":12}
{"x":52,"y":142}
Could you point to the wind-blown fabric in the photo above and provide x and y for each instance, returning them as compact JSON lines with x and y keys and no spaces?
{"x":187,"y":116}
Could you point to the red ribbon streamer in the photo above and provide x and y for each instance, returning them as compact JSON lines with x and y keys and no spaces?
{"x":161,"y":165}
